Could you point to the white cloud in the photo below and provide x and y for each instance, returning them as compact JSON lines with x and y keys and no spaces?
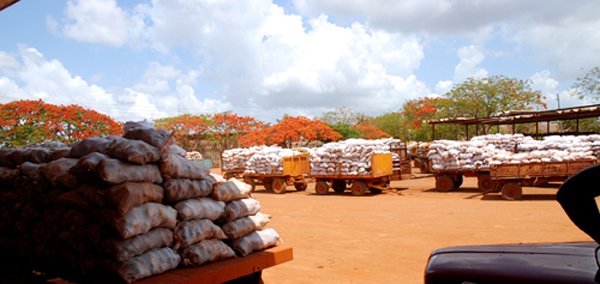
{"x":571,"y":45}
{"x":562,"y":34}
{"x":440,"y":16}
{"x":549,"y":87}
{"x":443,"y":86}
{"x":470,"y":59}
{"x":96,"y":21}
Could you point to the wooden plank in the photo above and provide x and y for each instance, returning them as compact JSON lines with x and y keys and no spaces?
{"x":555,"y":169}
{"x":505,"y":170}
{"x":226,"y":270}
{"x":531,"y":169}
{"x":574,"y":167}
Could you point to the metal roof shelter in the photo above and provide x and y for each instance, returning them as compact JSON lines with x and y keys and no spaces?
{"x":527,"y":116}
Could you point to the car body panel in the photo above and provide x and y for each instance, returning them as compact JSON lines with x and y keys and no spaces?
{"x":516,"y":263}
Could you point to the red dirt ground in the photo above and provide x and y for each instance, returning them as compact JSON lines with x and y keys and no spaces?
{"x":387,"y":238}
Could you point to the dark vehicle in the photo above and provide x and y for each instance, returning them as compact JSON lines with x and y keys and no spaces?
{"x":522,"y":263}
{"x":532,"y":263}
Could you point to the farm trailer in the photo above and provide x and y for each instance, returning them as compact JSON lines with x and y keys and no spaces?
{"x":509,"y":179}
{"x":295,"y":172}
{"x":376,"y":182}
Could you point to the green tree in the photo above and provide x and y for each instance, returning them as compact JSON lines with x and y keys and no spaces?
{"x":390,"y":123}
{"x":488,"y":96}
{"x":588,"y":86}
{"x":347,"y":131}
{"x":414,"y":115}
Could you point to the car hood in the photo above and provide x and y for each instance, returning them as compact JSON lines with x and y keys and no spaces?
{"x":516,"y":263}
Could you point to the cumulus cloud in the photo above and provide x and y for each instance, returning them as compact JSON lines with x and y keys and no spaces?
{"x":570,"y":45}
{"x":264,"y":60}
{"x":443,"y":86}
{"x":97,"y":21}
{"x":32,"y":76}
{"x":468,"y":66}
{"x":544,"y":82}
{"x":439,"y":16}
{"x":561,"y":34}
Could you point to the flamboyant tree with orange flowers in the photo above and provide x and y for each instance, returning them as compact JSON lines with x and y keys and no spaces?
{"x":30,"y":121}
{"x":227,"y":127}
{"x":370,"y":131}
{"x":289,"y":130}
{"x":188,"y":129}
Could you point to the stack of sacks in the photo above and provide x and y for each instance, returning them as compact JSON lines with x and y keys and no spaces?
{"x":555,"y":149}
{"x":269,"y":160}
{"x":394,"y":145}
{"x":483,"y":151}
{"x":235,"y":159}
{"x":412,"y":149}
{"x":478,"y":153}
{"x":25,"y":192}
{"x":507,"y":142}
{"x":594,"y":140}
{"x":242,"y":222}
{"x":353,"y":157}
{"x":454,"y":155}
{"x":194,"y":155}
{"x":123,"y":180}
{"x":423,"y":149}
{"x":104,"y":204}
{"x":197,"y":239}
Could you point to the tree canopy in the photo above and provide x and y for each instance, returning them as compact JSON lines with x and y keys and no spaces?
{"x":588,"y":86}
{"x":30,"y":121}
{"x":290,"y":130}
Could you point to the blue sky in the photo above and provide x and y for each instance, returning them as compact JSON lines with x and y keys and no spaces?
{"x":139,"y":60}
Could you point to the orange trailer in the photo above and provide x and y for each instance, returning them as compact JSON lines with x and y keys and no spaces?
{"x":378,"y":180}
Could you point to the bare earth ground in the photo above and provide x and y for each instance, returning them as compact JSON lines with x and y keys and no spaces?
{"x":387,"y":238}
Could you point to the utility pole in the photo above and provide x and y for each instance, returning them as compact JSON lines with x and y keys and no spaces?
{"x":558,"y":99}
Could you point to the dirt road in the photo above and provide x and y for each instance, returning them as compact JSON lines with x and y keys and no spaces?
{"x":387,"y":238}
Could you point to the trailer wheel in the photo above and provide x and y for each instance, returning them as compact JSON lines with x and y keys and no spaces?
{"x":250,"y":181}
{"x":358,"y":188}
{"x":444,"y":183}
{"x":512,"y":191}
{"x":339,"y":185}
{"x":321,"y":187}
{"x":279,"y":185}
{"x":486,"y":184}
{"x":300,"y":186}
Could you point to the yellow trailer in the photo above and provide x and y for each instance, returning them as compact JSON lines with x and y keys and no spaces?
{"x":295,"y":171}
{"x":378,"y":180}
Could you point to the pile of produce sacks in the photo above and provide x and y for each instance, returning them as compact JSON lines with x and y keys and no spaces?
{"x":353,"y":156}
{"x":268,"y":160}
{"x":133,"y":206}
{"x":194,"y":155}
{"x":235,"y":159}
{"x":483,"y":151}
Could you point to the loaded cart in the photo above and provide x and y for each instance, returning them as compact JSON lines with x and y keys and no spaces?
{"x":295,"y":172}
{"x":376,"y":181}
{"x":508,"y":179}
